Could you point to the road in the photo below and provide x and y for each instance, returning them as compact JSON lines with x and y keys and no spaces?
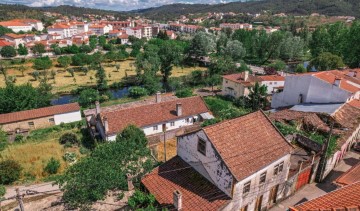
{"x":315,"y":190}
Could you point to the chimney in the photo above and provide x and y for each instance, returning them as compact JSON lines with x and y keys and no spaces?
{"x":158,"y":97}
{"x":178,"y":109}
{"x":106,"y":125}
{"x":97,"y":108}
{"x":246,"y":75}
{"x":337,"y":82}
{"x":177,"y":196}
{"x":129,"y":181}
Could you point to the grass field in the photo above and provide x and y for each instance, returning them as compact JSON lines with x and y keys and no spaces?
{"x":34,"y":155}
{"x":63,"y":81}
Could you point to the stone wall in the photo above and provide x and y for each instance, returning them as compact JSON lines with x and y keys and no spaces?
{"x":24,"y":125}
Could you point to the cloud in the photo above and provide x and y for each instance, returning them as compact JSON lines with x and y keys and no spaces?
{"x":120,"y":5}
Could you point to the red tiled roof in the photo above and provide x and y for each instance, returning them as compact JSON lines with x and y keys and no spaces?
{"x":14,"y":36}
{"x":271,"y":78}
{"x":346,"y":197}
{"x":346,"y":81}
{"x":253,"y":132}
{"x":124,"y":36}
{"x":37,"y":113}
{"x":239,"y":78}
{"x":59,"y":26}
{"x":355,"y":103}
{"x":197,"y":192}
{"x":348,"y":117}
{"x":350,"y":177}
{"x":3,"y":43}
{"x":154,"y":113}
{"x":13,"y":23}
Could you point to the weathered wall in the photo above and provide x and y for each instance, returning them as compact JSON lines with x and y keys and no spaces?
{"x":38,"y":123}
{"x":210,"y":166}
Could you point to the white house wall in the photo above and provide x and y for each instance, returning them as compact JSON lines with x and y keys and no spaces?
{"x":210,"y":166}
{"x":313,"y":90}
{"x":149,"y":130}
{"x":271,"y":85}
{"x":256,"y":190}
{"x":67,"y":117}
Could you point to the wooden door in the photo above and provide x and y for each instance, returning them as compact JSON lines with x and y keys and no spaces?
{"x":259,"y":203}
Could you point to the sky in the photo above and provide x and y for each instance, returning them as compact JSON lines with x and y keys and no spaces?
{"x":119,"y":5}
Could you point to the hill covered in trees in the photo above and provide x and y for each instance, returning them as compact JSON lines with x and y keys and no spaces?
{"x":296,"y":7}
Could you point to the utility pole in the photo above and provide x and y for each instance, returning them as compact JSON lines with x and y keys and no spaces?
{"x":19,"y":199}
{"x":325,"y":147}
{"x":164,"y":130}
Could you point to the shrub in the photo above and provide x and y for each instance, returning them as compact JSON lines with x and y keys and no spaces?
{"x":182,"y":93}
{"x":52,"y":166}
{"x":10,"y":171}
{"x":3,"y":140}
{"x":19,"y":138}
{"x":70,"y":157}
{"x":2,"y":191}
{"x":69,"y":138}
{"x":136,"y":92}
{"x":141,"y":200}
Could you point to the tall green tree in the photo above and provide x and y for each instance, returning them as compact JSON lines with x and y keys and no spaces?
{"x":101,"y":81}
{"x":170,"y":54}
{"x":42,"y":63}
{"x":38,"y":48}
{"x":327,"y":61}
{"x":22,"y":50}
{"x":257,"y":97}
{"x":64,"y":61}
{"x":8,"y":51}
{"x":201,"y":45}
{"x":106,"y":168}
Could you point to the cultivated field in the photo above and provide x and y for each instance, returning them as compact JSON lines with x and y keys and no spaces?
{"x":63,"y":82}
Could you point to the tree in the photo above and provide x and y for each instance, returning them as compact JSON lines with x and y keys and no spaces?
{"x":102,"y":40}
{"x":185,"y":92}
{"x":101,"y":79}
{"x":222,"y":65}
{"x":141,"y":200}
{"x":136,"y":92}
{"x":88,"y":97}
{"x":170,"y":54}
{"x":162,"y":35}
{"x":10,"y":171}
{"x":22,"y":50}
{"x":300,"y":68}
{"x":213,"y":80}
{"x":64,"y":61}
{"x":235,"y":50}
{"x":278,"y":65}
{"x":22,"y":97}
{"x":3,"y":139}
{"x":52,"y":166}
{"x":151,"y":83}
{"x":22,"y":70}
{"x":8,"y":51}
{"x":42,"y":63}
{"x":106,"y":168}
{"x":201,"y":45}
{"x":38,"y":48}
{"x":257,"y":96}
{"x":327,"y":61}
{"x":72,"y":72}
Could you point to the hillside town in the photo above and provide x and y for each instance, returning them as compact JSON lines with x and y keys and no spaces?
{"x":98,"y":113}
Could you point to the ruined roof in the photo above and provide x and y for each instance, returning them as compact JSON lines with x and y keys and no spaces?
{"x":328,"y":108}
{"x":350,"y":177}
{"x":197,"y":192}
{"x":38,"y":113}
{"x":147,"y":115}
{"x":344,"y":198}
{"x":242,"y":140}
{"x":348,"y":117}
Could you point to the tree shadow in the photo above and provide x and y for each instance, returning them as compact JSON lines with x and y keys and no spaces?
{"x":351,"y":161}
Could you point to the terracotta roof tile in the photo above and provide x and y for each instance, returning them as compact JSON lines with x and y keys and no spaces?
{"x":350,"y":177}
{"x":197,"y":192}
{"x":154,"y":113}
{"x":271,"y":78}
{"x":346,"y":83}
{"x":355,"y":103}
{"x":3,"y":43}
{"x":346,"y":197}
{"x":15,"y":36}
{"x":253,"y":132}
{"x":37,"y":113}
{"x":349,"y":117}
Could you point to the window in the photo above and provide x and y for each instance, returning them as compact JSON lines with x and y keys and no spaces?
{"x":246,"y":188}
{"x":275,"y":83}
{"x":172,"y":123}
{"x":187,"y":120}
{"x":201,"y":146}
{"x":262,"y":178}
{"x":226,"y":81}
{"x":276,"y":170}
{"x":281,"y":166}
{"x":31,"y":124}
{"x":270,"y":83}
{"x":155,"y":127}
{"x":51,"y":120}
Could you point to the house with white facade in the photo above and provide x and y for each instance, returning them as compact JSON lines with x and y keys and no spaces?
{"x":134,"y":31}
{"x":16,"y":39}
{"x":153,"y":118}
{"x":24,"y":25}
{"x":100,"y":29}
{"x":238,"y":85}
{"x":335,"y":86}
{"x":146,"y":32}
{"x":238,"y":164}
{"x":62,"y":29}
{"x":23,"y":121}
{"x":236,"y":26}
